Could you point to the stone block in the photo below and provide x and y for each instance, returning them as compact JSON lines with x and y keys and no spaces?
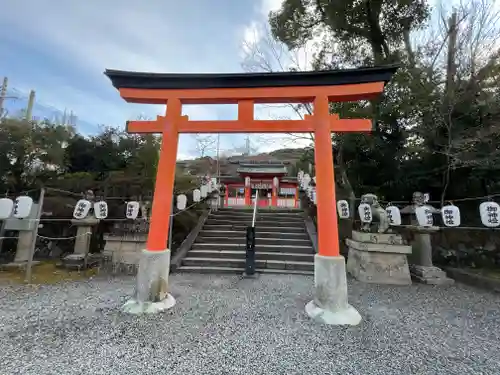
{"x":124,"y":249}
{"x":383,"y":238}
{"x":378,"y":263}
{"x":430,"y":275}
{"x":378,"y":247}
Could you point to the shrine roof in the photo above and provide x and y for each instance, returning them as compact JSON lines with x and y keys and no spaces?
{"x":143,"y":80}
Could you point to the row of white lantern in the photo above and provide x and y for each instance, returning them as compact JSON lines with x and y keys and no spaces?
{"x":489,"y":213}
{"x":20,"y":208}
{"x":83,"y":206}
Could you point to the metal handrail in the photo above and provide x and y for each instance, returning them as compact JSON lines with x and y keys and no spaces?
{"x":250,"y":242}
{"x":255,"y":207}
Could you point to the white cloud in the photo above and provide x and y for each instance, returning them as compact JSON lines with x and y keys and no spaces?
{"x":87,"y":37}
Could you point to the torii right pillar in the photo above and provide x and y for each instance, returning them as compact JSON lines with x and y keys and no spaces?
{"x":330,"y":304}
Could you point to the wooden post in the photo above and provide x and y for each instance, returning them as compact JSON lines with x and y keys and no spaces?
{"x":29,"y":265}
{"x":165,"y":176}
{"x":328,"y":234}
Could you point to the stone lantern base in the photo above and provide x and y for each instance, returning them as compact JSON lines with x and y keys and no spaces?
{"x":379,"y":258}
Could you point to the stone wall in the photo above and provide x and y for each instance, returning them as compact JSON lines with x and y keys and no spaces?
{"x":124,"y":249}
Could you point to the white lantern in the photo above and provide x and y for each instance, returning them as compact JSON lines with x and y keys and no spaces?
{"x":101,"y":210}
{"x":247,"y":181}
{"x":300,"y":175}
{"x":394,"y":215}
{"x":490,"y":212}
{"x":196,"y":195}
{"x":307,"y":180}
{"x":22,"y":207}
{"x":6,"y":207}
{"x":451,"y":215}
{"x":204,"y":191}
{"x":343,"y":209}
{"x":181,"y":201}
{"x":132,"y":210}
{"x":365,"y":213}
{"x":424,"y":216}
{"x":276,"y":181}
{"x":82,"y":209}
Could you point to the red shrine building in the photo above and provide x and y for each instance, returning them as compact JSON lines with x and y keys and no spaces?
{"x":266,"y":180}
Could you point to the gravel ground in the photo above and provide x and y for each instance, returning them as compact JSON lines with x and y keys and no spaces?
{"x":226,"y":325}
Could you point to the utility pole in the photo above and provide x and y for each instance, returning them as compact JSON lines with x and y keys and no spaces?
{"x":31,"y":103}
{"x":64,"y":117}
{"x":3,"y":93}
{"x":35,"y":235}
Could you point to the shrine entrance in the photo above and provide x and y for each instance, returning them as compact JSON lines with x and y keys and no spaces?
{"x":317,"y":87}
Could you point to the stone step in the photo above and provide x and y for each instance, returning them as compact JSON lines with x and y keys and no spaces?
{"x":240,"y":263}
{"x":249,"y":215}
{"x":240,"y":254}
{"x":242,"y":234}
{"x":240,"y":270}
{"x":258,"y":240}
{"x":258,"y":223}
{"x":264,"y":248}
{"x":242,"y":227}
{"x":297,"y":219}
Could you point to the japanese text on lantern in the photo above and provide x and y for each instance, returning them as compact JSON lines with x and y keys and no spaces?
{"x":492,"y":214}
{"x":448,"y":215}
{"x":344,"y":209}
{"x":80,"y":208}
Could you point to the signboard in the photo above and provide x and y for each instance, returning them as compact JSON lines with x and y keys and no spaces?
{"x":287,"y":191}
{"x":261,"y":185}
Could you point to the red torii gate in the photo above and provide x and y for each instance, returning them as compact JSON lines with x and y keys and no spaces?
{"x":245,"y":90}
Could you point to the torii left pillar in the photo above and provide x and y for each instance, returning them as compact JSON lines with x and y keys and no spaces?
{"x":154,"y":265}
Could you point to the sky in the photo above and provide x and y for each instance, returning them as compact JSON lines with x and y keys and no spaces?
{"x":60,"y":49}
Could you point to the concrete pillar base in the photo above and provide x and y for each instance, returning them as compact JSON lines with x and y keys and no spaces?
{"x":151,"y":295}
{"x":330,"y":301}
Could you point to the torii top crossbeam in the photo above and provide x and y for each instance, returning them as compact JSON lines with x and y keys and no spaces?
{"x":318,"y":87}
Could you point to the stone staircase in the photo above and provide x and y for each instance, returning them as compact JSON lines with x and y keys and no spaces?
{"x":282,"y":244}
